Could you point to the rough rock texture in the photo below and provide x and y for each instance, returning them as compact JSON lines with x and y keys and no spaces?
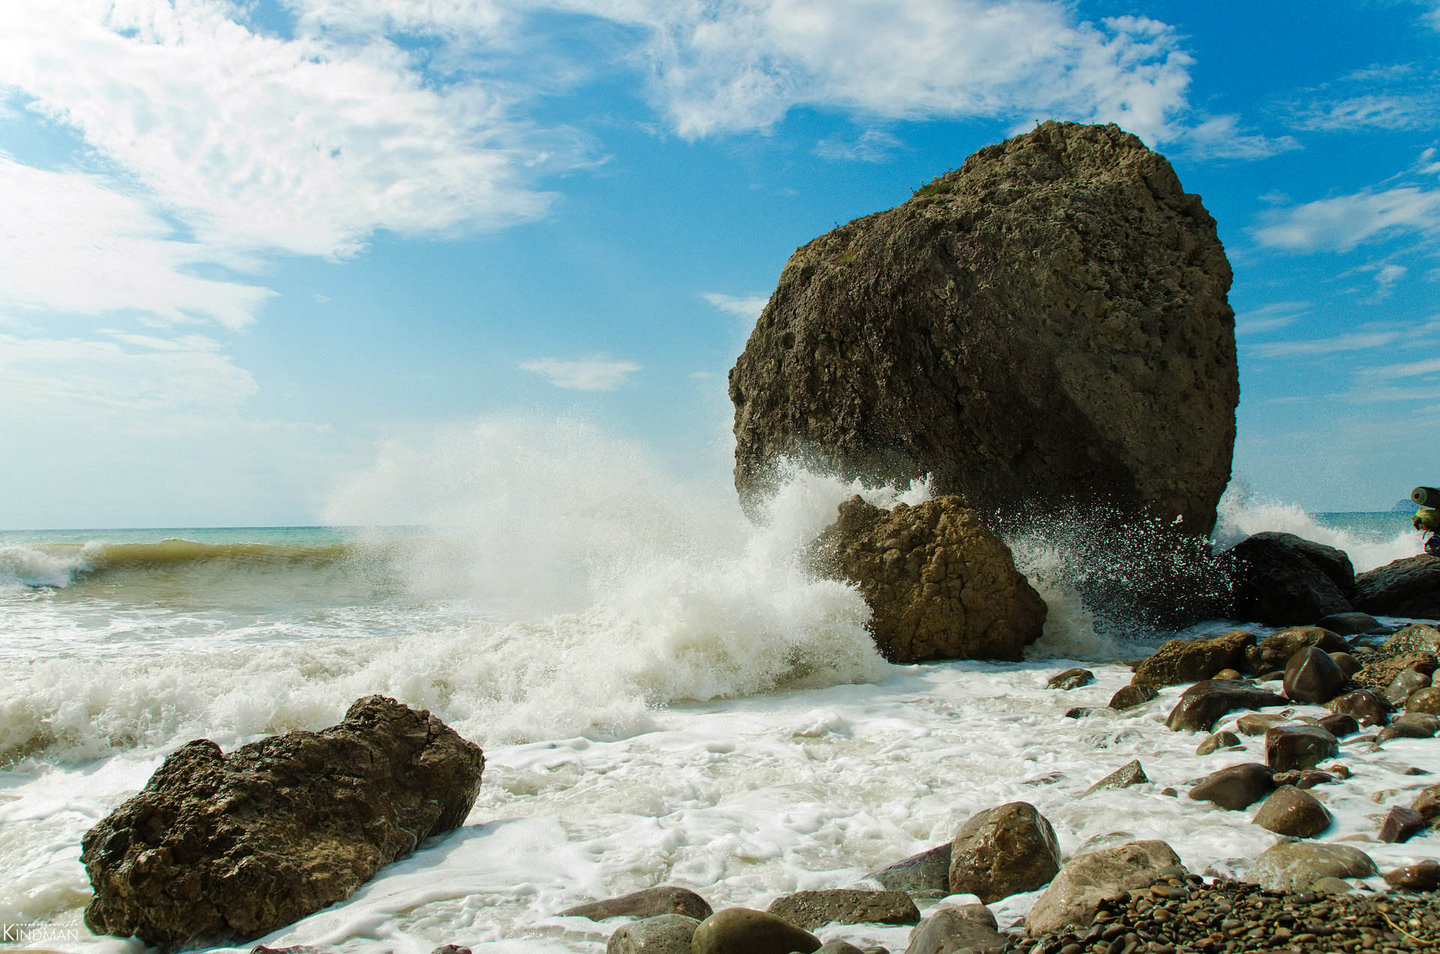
{"x":1289,"y":747}
{"x":1378,"y":675}
{"x":1415,"y":638}
{"x":939,"y":584}
{"x":1003,"y":851}
{"x":1296,"y":865}
{"x":1281,"y":580}
{"x":660,"y":934}
{"x":1408,"y":587}
{"x":1190,"y":660}
{"x":812,"y":909}
{"x":1075,"y":894}
{"x":1071,"y":679}
{"x":923,"y":876}
{"x":1047,"y":325}
{"x":952,"y":930}
{"x":1131,"y":773}
{"x":1135,"y":694}
{"x":1274,"y":651}
{"x":230,"y":847}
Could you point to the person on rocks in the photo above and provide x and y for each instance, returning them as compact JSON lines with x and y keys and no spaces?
{"x":1427,"y":521}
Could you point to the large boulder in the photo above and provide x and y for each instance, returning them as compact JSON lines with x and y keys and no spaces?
{"x":1191,"y":660}
{"x":225,"y":848}
{"x":1281,"y":580}
{"x":939,"y":584}
{"x":1088,"y":879}
{"x":1408,"y":587}
{"x":1047,"y":325}
{"x":1003,"y":851}
{"x":1202,"y":705}
{"x":1296,"y":865}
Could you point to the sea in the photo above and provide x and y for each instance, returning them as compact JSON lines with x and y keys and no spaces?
{"x":664,"y":691}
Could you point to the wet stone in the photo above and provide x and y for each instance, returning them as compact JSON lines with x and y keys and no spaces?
{"x":1298,"y":747}
{"x":1290,"y":811}
{"x":1422,"y":876}
{"x":1220,"y":740}
{"x":1364,"y":705}
{"x":1131,"y":773}
{"x":1401,"y":824}
{"x":1135,"y":694}
{"x":1071,"y":679}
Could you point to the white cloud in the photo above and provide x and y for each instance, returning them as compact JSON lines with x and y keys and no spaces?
{"x":1271,"y":317}
{"x":597,"y":373}
{"x":1382,"y":111}
{"x":743,"y":306}
{"x":260,"y":142}
{"x":70,"y":242}
{"x":1355,"y":341}
{"x":1386,"y":276}
{"x":1220,"y":137}
{"x":1343,"y":222}
{"x":119,"y":377}
{"x":873,"y":145}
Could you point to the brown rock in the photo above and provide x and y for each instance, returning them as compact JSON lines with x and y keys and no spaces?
{"x":956,"y":929}
{"x":1071,"y":679}
{"x":811,"y":909}
{"x":924,"y":875}
{"x":1350,"y":624}
{"x":1290,"y":811}
{"x":1075,"y":895}
{"x":1236,"y":787}
{"x":744,"y":931}
{"x":1135,"y":694}
{"x":1274,"y":651}
{"x":1422,"y":876}
{"x":1427,"y":803}
{"x":939,"y":584}
{"x":646,"y":903}
{"x":1204,"y":703}
{"x":1407,"y":682}
{"x":1046,"y":326}
{"x":229,"y":847}
{"x":1003,"y":851}
{"x":1339,"y":724}
{"x":1364,"y":705}
{"x":1401,"y":824}
{"x":1218,"y":741}
{"x":1297,"y":865}
{"x":1347,"y":664}
{"x":1190,"y":660}
{"x":1258,"y":723}
{"x":1380,"y":673}
{"x":1131,"y":773}
{"x":1298,"y":747}
{"x":1425,"y":701}
{"x":1404,"y":730}
{"x":1280,"y":579}
{"x":659,"y":934}
{"x":1312,"y":676}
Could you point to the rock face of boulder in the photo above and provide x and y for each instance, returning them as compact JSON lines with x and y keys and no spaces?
{"x":1046,"y":325}
{"x":939,"y":584}
{"x":1190,"y":660}
{"x":1282,"y":580}
{"x":1003,"y":851}
{"x":1408,"y":587}
{"x":229,"y":847}
{"x":1075,"y":895}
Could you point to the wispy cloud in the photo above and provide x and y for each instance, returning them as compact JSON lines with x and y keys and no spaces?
{"x":742,"y":306}
{"x":1354,"y":341}
{"x":1271,"y":317}
{"x":872,"y":145}
{"x":1343,"y":222}
{"x":597,"y":373}
{"x":1221,"y":137}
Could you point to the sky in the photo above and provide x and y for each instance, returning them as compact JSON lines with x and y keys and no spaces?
{"x":248,"y":248}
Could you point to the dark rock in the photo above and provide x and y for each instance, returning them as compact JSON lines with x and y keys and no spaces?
{"x":1410,"y":681}
{"x":1420,"y":720}
{"x":1274,"y":651}
{"x":1089,"y":879}
{"x":1408,"y":587}
{"x":1003,"y":851}
{"x":1190,"y":660}
{"x":1218,"y":741}
{"x":1258,"y":723}
{"x":1312,"y":676}
{"x":956,"y":929}
{"x":1204,"y":703}
{"x":1339,"y":724}
{"x":1289,"y":811}
{"x":646,"y":903}
{"x":923,"y":875}
{"x":1126,"y":775}
{"x":1135,"y":694}
{"x":1298,"y":747}
{"x":1422,"y":876}
{"x":1426,"y":701}
{"x":230,"y":847}
{"x":1071,"y":679}
{"x":743,"y":931}
{"x":1401,"y":824}
{"x":442,"y":949}
{"x":657,"y":934}
{"x":1350,"y":624}
{"x":1280,"y":579}
{"x":938,"y":583}
{"x":1045,"y":327}
{"x":841,"y":947}
{"x":1080,"y":712}
{"x":1347,"y":664}
{"x":1303,"y":778}
{"x":1364,"y":705}
{"x":811,"y":909}
{"x":1296,"y":865}
{"x":1236,"y":787}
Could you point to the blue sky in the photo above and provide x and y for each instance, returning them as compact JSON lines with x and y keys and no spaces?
{"x":248,"y":243}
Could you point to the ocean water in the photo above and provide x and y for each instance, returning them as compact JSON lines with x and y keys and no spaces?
{"x":664,"y":693}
